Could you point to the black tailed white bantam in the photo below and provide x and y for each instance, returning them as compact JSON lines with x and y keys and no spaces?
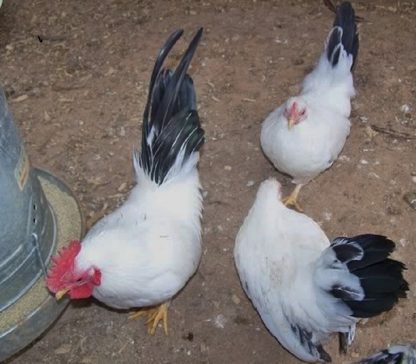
{"x":395,"y":354}
{"x":304,"y":136}
{"x":143,"y":253}
{"x":305,"y":287}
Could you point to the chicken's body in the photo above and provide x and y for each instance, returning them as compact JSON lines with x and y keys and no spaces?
{"x":309,"y":148}
{"x":149,"y":247}
{"x":143,"y":253}
{"x":304,"y":288}
{"x":305,"y":135}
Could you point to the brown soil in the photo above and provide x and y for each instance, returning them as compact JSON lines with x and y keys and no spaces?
{"x":76,"y":76}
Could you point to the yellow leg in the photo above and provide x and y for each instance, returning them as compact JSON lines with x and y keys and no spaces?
{"x":154,"y":316}
{"x":292,"y":199}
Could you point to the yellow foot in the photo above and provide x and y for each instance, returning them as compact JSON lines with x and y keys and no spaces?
{"x":154,"y":316}
{"x":292,"y":199}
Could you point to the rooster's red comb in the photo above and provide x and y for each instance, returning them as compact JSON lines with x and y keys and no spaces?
{"x":294,"y":107}
{"x":62,"y":266}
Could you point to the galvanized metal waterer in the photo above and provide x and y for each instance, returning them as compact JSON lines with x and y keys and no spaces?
{"x":38,"y":215}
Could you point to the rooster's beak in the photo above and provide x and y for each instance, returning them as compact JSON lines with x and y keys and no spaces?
{"x":290,"y":123}
{"x":61,"y":293}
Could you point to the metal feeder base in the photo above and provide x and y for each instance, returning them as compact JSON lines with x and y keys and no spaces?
{"x":35,"y":311}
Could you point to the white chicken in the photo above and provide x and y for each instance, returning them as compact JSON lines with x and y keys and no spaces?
{"x":304,"y":136}
{"x":143,"y":253}
{"x":305,"y":287}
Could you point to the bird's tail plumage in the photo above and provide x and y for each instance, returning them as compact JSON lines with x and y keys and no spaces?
{"x":172,"y":134}
{"x":379,"y":279}
{"x":344,"y":35}
{"x":396,"y":354}
{"x":359,"y":274}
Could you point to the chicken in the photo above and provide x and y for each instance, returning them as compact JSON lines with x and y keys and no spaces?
{"x":304,"y":136}
{"x":305,"y":287}
{"x":143,"y":253}
{"x":395,"y":354}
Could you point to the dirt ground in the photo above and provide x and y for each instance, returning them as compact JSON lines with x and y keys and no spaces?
{"x":76,"y":76}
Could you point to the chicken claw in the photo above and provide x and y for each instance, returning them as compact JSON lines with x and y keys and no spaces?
{"x":292,"y":199}
{"x":154,"y":316}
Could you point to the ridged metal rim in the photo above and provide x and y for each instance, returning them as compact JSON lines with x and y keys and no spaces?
{"x":20,"y":333}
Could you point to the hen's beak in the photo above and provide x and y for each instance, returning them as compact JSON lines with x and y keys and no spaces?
{"x":61,"y":293}
{"x":291,"y":122}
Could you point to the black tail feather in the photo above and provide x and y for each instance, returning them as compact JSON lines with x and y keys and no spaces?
{"x":305,"y":339}
{"x":381,"y":278}
{"x":171,"y":126}
{"x":345,"y":33}
{"x":163,"y":52}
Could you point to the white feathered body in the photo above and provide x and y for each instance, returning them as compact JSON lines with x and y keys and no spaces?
{"x":276,"y":254}
{"x":149,"y":247}
{"x":310,"y":147}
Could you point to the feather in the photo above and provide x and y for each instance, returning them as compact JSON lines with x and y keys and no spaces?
{"x":305,"y":339}
{"x":395,"y":354}
{"x":343,"y":35}
{"x":379,"y":278}
{"x":306,"y":288}
{"x":171,"y":127}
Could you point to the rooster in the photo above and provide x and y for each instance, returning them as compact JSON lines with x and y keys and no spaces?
{"x":305,"y":287}
{"x":143,"y":253}
{"x":305,"y":135}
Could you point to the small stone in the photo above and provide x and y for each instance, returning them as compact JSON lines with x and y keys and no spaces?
{"x":403,"y":242}
{"x":363,"y":161}
{"x":20,"y":98}
{"x":371,"y":133}
{"x":327,"y":215}
{"x":405,"y":108}
{"x":414,"y":179}
{"x":46,"y":116}
{"x":250,"y":183}
{"x":228,"y":168}
{"x":63,"y":349}
{"x":410,"y":198}
{"x":235,"y":299}
{"x":110,"y":71}
{"x":122,"y":187}
{"x":122,"y":131}
{"x":219,"y":321}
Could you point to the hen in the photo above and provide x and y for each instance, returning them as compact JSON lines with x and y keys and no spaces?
{"x":144,"y":252}
{"x":305,"y":135}
{"x":306,"y":287}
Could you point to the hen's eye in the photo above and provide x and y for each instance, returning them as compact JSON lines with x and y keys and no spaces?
{"x":302,"y":112}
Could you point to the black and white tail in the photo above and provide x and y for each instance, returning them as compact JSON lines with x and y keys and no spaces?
{"x":395,"y":354}
{"x":380,"y":280}
{"x":172,"y":134}
{"x":359,"y":272}
{"x":343,"y":35}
